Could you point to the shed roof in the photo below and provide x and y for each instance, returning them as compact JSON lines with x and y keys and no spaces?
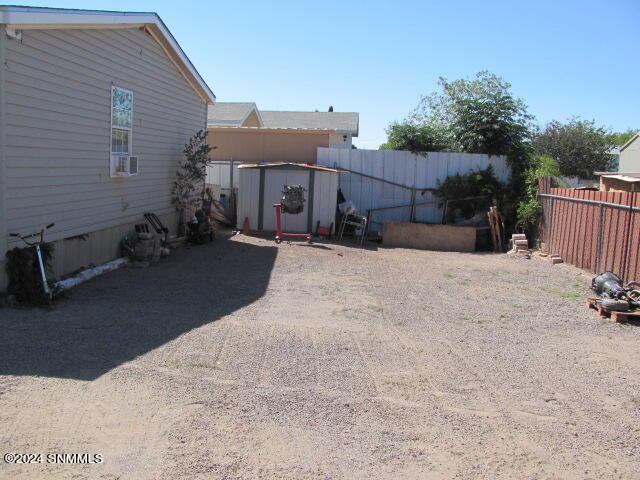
{"x":305,"y":166}
{"x":624,"y":177}
{"x":21,"y":18}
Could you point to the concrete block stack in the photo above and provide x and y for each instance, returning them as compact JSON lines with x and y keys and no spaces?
{"x":555,"y":258}
{"x":520,"y":245}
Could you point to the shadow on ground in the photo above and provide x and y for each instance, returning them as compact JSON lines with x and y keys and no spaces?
{"x":119,"y":316}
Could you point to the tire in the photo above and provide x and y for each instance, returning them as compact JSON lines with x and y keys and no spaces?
{"x":615,"y":305}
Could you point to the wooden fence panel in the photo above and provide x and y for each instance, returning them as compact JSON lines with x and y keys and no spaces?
{"x":595,"y":237}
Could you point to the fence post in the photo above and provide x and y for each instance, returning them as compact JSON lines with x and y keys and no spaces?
{"x":625,"y":257}
{"x":600,"y":239}
{"x":412,"y":210}
{"x":550,"y":232}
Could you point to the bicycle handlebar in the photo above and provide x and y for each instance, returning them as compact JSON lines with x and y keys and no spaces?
{"x":41,"y":233}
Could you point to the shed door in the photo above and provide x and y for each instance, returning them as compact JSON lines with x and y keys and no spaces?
{"x":274,"y":182}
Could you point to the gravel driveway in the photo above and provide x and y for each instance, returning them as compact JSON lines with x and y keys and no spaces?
{"x":246,"y":360}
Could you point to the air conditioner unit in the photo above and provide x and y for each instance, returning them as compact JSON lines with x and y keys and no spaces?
{"x":133,"y":165}
{"x":124,"y":165}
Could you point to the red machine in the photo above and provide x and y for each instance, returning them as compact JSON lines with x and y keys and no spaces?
{"x":280,"y":234}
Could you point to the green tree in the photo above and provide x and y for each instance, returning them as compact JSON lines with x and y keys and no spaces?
{"x":620,"y":138}
{"x":579,"y":146}
{"x":188,"y":186}
{"x":415,"y":138}
{"x":477,"y":116}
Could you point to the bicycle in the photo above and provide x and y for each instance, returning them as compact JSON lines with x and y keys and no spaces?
{"x":36,"y":245}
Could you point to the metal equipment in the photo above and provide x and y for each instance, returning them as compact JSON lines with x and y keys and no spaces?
{"x":280,"y":234}
{"x":615,"y":295}
{"x":199,"y":228}
{"x":292,"y":203}
{"x":293,"y":199}
{"x":157,"y":225}
{"x":357,"y":222}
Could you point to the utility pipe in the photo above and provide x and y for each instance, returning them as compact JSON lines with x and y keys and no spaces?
{"x":90,"y":273}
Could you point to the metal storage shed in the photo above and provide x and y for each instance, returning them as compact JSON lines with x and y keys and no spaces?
{"x":260,"y":187}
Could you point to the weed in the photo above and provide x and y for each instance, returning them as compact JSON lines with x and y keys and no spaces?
{"x":562,"y":293}
{"x":375,"y":308}
{"x":449,"y":275}
{"x":200,"y":364}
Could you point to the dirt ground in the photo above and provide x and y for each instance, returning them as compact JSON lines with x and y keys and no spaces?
{"x":246,"y":360}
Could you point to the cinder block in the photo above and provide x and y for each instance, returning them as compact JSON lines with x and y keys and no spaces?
{"x":518,"y":236}
{"x":522,"y":243}
{"x":555,"y":260}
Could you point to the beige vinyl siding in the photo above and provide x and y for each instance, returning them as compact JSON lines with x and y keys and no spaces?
{"x":58,"y":108}
{"x":630,"y":158}
{"x":3,"y":223}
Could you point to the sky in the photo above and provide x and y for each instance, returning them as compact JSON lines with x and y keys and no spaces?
{"x":563,"y":58}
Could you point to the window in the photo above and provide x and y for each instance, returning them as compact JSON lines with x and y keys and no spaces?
{"x":121,"y":120}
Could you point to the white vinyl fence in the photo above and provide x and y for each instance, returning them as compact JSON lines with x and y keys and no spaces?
{"x":391,"y":184}
{"x":223,"y":173}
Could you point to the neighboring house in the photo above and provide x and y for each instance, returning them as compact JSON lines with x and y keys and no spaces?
{"x":630,"y":155}
{"x":617,"y":182}
{"x":95,"y":109}
{"x":614,"y":152}
{"x":241,"y":132}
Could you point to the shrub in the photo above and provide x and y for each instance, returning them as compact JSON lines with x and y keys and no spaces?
{"x":480,"y":189}
{"x":25,"y":279}
{"x":529,"y":208}
{"x":188,"y":187}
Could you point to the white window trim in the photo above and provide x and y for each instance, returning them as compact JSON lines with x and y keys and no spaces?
{"x":130,"y":130}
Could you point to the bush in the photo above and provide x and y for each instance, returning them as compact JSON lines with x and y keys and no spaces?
{"x":480,"y":189}
{"x":25,"y":280}
{"x":529,"y":209}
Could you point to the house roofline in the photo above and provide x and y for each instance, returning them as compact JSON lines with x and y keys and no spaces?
{"x":630,"y":141}
{"x":278,"y":129}
{"x":253,"y":108}
{"x":22,"y":18}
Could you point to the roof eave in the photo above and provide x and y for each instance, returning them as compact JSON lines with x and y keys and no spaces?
{"x":22,"y":18}
{"x":629,"y":142}
{"x":268,"y":129}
